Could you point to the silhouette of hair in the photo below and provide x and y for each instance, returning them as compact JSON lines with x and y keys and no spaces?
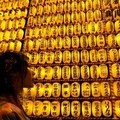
{"x":11,"y":63}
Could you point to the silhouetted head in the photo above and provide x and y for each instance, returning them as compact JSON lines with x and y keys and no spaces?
{"x":14,"y":73}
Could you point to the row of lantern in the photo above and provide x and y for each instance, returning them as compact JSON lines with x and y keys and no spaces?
{"x":66,"y":57}
{"x":75,"y":108}
{"x":76,"y":5}
{"x":70,"y":29}
{"x":55,"y":31}
{"x":10,"y":46}
{"x":74,"y":89}
{"x":75,"y":16}
{"x":11,"y":35}
{"x":77,"y":72}
{"x":84,"y":42}
{"x":13,"y":14}
{"x":66,"y":42}
{"x":6,"y":5}
{"x":12,"y":24}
